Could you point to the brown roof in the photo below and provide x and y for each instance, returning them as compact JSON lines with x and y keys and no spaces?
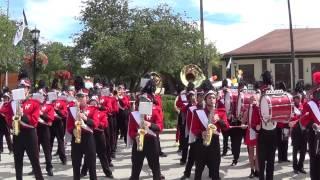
{"x":278,"y":42}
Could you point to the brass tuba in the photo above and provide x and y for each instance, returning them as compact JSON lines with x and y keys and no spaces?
{"x":192,"y":73}
{"x":157,"y":79}
{"x":211,"y":129}
{"x":16,"y":120}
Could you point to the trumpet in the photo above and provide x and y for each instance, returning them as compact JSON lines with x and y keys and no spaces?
{"x":16,"y":120}
{"x":141,"y":133}
{"x":211,"y":129}
{"x":78,"y":123}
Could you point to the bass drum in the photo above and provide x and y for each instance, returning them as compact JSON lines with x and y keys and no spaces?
{"x":243,"y":102}
{"x":230,"y":101}
{"x":276,"y":107}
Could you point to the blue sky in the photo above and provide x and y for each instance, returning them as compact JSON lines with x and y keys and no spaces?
{"x":228,"y":23}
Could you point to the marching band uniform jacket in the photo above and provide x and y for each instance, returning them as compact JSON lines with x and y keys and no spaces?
{"x":197,"y":128}
{"x":92,"y":121}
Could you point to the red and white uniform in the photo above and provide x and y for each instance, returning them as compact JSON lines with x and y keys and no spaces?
{"x":155,"y":119}
{"x":197,"y":126}
{"x":124,"y":102}
{"x":103,"y":121}
{"x":106,"y":104}
{"x":297,"y":114}
{"x":182,"y":101}
{"x":312,"y":107}
{"x":253,"y":121}
{"x":61,"y":108}
{"x":6,"y":111}
{"x":47,"y":114}
{"x":31,"y":110}
{"x":92,"y":121}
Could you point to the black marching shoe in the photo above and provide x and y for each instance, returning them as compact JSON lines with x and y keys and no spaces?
{"x":184,"y":177}
{"x":49,"y":172}
{"x":162,"y":154}
{"x":234,"y":162}
{"x":256,"y":173}
{"x":83,"y":175}
{"x":31,"y":173}
{"x":162,"y":176}
{"x":110,"y":176}
{"x":302,"y":171}
{"x":252,"y":175}
{"x":182,"y":162}
{"x":295,"y":171}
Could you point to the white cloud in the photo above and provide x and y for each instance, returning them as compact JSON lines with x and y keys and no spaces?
{"x":54,"y":18}
{"x":257,"y":17}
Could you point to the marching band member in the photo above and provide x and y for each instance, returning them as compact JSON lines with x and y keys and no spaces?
{"x":190,"y":93}
{"x":124,"y":105}
{"x":191,"y":138}
{"x":152,"y":124}
{"x":180,"y":103}
{"x":4,"y":119}
{"x":267,"y":82}
{"x":58,"y":125}
{"x":298,"y":136}
{"x":250,"y":116}
{"x":311,"y":121}
{"x":282,"y":135}
{"x":106,"y":107}
{"x":43,"y":129}
{"x":100,"y":139}
{"x":206,"y":126}
{"x":267,"y":136}
{"x":236,"y":130}
{"x":226,"y":134}
{"x":81,"y":123}
{"x":27,"y":139}
{"x":115,"y":111}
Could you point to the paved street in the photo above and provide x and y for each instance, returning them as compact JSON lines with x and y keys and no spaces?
{"x":170,"y":165}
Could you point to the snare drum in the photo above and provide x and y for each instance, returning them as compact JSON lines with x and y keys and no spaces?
{"x":277,"y":107}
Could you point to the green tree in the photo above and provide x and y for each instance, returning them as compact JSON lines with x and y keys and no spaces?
{"x":124,"y":44}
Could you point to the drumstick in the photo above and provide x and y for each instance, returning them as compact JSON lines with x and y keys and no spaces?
{"x":241,"y":126}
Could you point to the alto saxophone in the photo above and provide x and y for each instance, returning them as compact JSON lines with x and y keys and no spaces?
{"x":141,"y":133}
{"x":78,"y":122}
{"x":211,"y":129}
{"x":16,"y":120}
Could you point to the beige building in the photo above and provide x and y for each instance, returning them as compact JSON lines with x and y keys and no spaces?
{"x":272,"y":52}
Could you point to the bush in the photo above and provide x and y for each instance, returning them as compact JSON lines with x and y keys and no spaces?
{"x":170,"y":115}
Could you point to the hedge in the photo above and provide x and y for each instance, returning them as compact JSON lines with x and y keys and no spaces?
{"x":170,"y":115}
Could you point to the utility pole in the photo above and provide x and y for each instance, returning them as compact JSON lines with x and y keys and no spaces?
{"x":292,"y":48}
{"x":6,"y":78}
{"x":203,"y":60}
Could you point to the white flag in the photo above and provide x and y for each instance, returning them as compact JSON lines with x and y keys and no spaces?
{"x":19,"y":34}
{"x":229,"y":63}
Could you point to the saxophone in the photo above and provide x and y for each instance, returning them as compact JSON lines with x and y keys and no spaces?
{"x":141,"y":133}
{"x":16,"y":120}
{"x":78,"y":122}
{"x":211,"y":129}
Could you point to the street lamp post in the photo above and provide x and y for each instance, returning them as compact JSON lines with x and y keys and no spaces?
{"x":35,"y":39}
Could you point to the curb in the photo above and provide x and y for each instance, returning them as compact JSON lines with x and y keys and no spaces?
{"x":169,"y":131}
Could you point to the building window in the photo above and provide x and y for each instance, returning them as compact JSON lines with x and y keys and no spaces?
{"x":248,"y":73}
{"x":300,"y":68}
{"x":264,"y":65}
